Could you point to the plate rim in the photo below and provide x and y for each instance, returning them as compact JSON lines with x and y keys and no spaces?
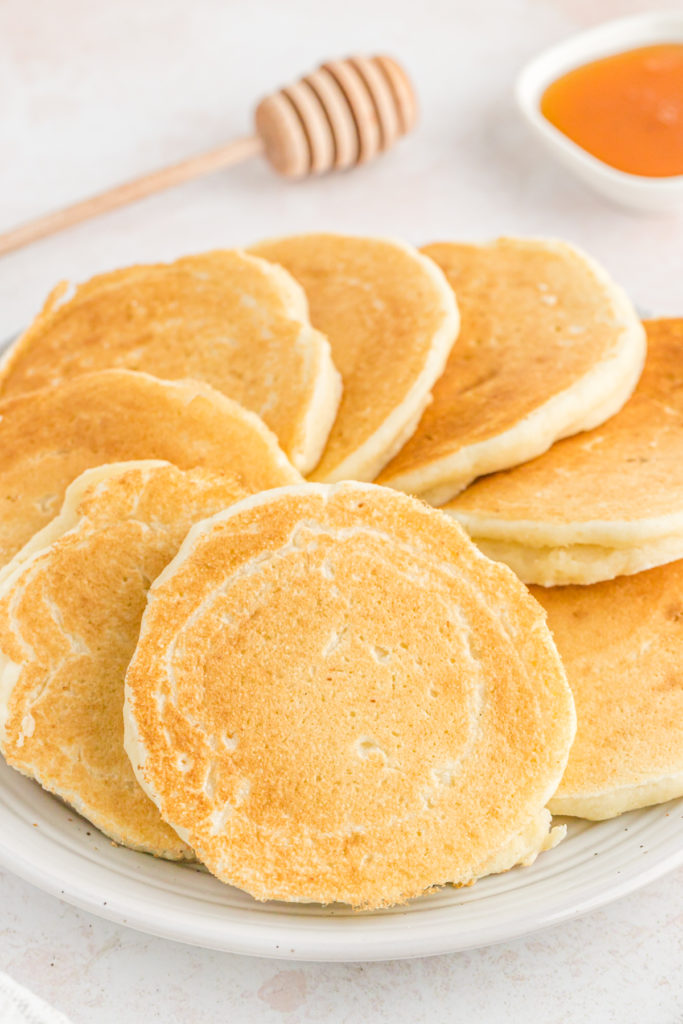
{"x":325,"y":938}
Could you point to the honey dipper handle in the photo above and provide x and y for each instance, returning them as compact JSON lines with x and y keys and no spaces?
{"x":224,"y":156}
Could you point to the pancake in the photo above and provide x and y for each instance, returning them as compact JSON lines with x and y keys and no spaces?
{"x":391,"y":319}
{"x":236,"y":322}
{"x":305,"y":731}
{"x":48,"y":437}
{"x":548,"y":346}
{"x":70,"y":608}
{"x":621,"y":642}
{"x":603,"y":504}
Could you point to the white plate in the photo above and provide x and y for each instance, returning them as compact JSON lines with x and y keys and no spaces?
{"x":49,"y":845}
{"x":637,"y":191}
{"x":46,"y":843}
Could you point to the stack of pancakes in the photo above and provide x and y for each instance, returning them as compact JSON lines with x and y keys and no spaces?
{"x":323,"y":689}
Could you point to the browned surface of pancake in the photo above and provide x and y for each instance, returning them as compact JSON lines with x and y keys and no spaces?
{"x":362,"y":706}
{"x":628,"y":469}
{"x":48,"y":437}
{"x":221,"y":317}
{"x":69,"y":621}
{"x":391,"y":321}
{"x":537,"y":318}
{"x":622,"y":646}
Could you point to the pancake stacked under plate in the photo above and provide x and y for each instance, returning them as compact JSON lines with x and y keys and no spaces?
{"x":330,"y":693}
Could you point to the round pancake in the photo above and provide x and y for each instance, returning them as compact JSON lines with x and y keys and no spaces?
{"x":599,"y":505}
{"x":621,"y":642}
{"x":391,"y":319}
{"x":70,"y":608}
{"x":548,"y":346}
{"x":236,"y":322}
{"x":48,"y":437}
{"x":336,"y":697}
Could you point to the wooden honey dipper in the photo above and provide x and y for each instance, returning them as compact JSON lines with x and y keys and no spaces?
{"x":343,"y":114}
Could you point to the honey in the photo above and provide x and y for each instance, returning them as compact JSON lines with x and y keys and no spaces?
{"x":626,"y":109}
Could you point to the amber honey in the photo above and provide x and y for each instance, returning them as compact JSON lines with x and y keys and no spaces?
{"x":627,"y":109}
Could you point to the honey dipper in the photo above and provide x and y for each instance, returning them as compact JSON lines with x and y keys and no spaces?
{"x":343,"y":114}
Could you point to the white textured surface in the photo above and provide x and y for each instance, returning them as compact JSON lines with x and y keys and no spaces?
{"x":18,"y":1005}
{"x":91,"y":93}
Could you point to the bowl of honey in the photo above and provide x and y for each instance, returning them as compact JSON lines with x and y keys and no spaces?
{"x":608,"y":103}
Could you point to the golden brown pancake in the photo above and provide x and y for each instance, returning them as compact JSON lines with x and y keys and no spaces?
{"x":236,"y":322}
{"x":70,"y":608}
{"x":48,"y":437}
{"x":601,"y":504}
{"x":391,"y":320}
{"x":622,"y":646}
{"x":336,"y":697}
{"x":548,"y":346}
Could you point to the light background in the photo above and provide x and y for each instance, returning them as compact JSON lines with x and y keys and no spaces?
{"x":92,"y":93}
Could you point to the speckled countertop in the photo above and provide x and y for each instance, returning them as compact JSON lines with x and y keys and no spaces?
{"x":93,"y":93}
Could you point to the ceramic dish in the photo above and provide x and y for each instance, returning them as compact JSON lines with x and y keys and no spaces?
{"x":633,"y":190}
{"x":46,"y":843}
{"x":49,"y":845}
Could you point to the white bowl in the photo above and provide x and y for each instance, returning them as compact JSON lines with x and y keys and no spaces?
{"x":634,"y":190}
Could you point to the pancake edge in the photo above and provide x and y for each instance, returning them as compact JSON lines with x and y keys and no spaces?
{"x":616,"y":533}
{"x":582,"y":406}
{"x":66,"y":518}
{"x":200,"y":389}
{"x":611,"y":803}
{"x":318,"y":418}
{"x":524,"y":847}
{"x":321,"y":413}
{"x":582,"y":564}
